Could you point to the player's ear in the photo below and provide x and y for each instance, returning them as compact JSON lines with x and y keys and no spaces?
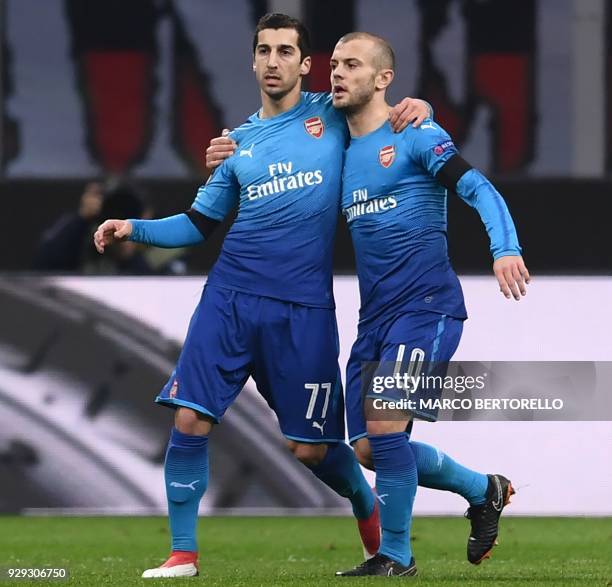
{"x":305,"y":65}
{"x":384,"y":78}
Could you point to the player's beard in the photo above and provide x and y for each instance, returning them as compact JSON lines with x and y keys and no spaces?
{"x":359,"y":97}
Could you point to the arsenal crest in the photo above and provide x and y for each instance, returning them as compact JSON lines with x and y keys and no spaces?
{"x":386,"y":155}
{"x":314,"y":127}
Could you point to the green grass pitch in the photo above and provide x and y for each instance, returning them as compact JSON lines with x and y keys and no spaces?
{"x":306,"y":551}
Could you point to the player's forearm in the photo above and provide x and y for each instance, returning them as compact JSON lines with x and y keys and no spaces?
{"x":172,"y":232}
{"x":479,"y":192}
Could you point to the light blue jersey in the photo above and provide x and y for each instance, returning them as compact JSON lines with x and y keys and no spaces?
{"x":285,"y":177}
{"x":396,"y":211}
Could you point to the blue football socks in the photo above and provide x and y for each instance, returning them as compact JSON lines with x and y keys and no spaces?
{"x":340,"y":471}
{"x":396,"y":485}
{"x":186,"y":474}
{"x":438,"y":471}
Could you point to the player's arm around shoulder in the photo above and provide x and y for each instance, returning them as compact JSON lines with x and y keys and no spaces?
{"x":409,"y":111}
{"x":219,"y":149}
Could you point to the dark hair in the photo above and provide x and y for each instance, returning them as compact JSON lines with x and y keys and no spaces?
{"x":276,"y":21}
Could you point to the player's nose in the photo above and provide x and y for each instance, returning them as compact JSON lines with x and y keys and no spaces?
{"x":273,"y":60}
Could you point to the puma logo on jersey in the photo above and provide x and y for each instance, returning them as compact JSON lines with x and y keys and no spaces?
{"x":247,"y":152}
{"x":430,"y":125}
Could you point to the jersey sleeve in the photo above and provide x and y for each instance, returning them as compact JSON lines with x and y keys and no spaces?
{"x":477,"y":191}
{"x":168,"y":233}
{"x":220,"y":194}
{"x":430,"y":146}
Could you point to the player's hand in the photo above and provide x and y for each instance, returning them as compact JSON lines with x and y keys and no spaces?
{"x":407,"y":111}
{"x":111,"y":231}
{"x":220,"y":149}
{"x":512,"y":276}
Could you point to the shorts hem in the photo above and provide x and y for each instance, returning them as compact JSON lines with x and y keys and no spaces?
{"x":176,"y":403}
{"x":357,"y":437}
{"x":313,"y":440}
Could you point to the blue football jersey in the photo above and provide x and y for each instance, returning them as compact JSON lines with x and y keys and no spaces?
{"x":285,"y":177}
{"x":396,"y":212}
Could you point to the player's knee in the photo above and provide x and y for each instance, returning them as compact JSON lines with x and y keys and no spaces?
{"x":363,"y":452}
{"x":310,"y":455}
{"x":376,"y":427}
{"x":189,"y":421}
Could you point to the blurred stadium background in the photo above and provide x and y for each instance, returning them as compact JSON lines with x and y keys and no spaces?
{"x":128,"y":94}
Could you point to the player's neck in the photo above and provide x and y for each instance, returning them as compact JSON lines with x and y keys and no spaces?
{"x":368,"y":118}
{"x":273,"y":107}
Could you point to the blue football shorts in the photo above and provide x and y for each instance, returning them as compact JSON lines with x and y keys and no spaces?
{"x":290,"y":350}
{"x":426,"y":337}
